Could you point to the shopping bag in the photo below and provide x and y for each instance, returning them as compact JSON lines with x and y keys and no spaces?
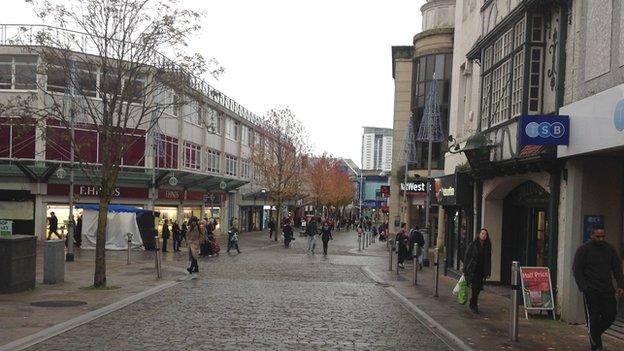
{"x":456,"y":288}
{"x":462,"y":294}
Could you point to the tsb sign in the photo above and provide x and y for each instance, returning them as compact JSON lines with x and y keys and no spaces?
{"x":544,"y":130}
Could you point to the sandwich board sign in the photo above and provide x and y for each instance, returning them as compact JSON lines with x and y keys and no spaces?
{"x":6,"y":227}
{"x":537,"y":292}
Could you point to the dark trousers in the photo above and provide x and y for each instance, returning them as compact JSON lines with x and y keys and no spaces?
{"x":325,"y":242}
{"x":270,"y":233}
{"x":164,"y":248}
{"x":194,"y":266}
{"x":600,"y":310}
{"x":176,"y":243}
{"x":402,"y":253}
{"x":232,"y":245}
{"x":474,"y":297}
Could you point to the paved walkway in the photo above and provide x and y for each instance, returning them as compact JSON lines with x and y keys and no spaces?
{"x":267,"y":298}
{"x":272,"y":298}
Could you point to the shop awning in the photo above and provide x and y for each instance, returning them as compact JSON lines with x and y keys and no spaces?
{"x":114,"y":208}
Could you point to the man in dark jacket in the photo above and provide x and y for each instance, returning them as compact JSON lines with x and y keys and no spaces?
{"x":594,"y":263}
{"x":418,"y":242}
{"x":311,"y":231}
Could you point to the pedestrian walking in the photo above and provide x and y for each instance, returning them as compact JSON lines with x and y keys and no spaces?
{"x":165,"y":235}
{"x":271,"y":228}
{"x":402,"y":239}
{"x":210,"y":237}
{"x":53,"y":228}
{"x":478,"y":266}
{"x":595,"y":265}
{"x":288,"y":233}
{"x":177,"y":236}
{"x":193,"y":236}
{"x":184,"y":231}
{"x":311,"y":231}
{"x":326,"y":236}
{"x":233,"y":237}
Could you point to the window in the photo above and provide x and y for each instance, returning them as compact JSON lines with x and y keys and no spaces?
{"x":485,"y":101}
{"x":192,"y":155}
{"x":231,"y":164}
{"x":213,"y":161}
{"x":535,"y":75}
{"x":134,"y":88}
{"x":518,"y":81}
{"x":193,"y":111}
{"x":86,"y":79}
{"x":6,"y":72}
{"x":25,"y":72}
{"x":519,"y":33}
{"x":245,"y":135}
{"x":231,"y":129}
{"x":256,"y":173}
{"x":500,"y":93}
{"x":166,"y":151}
{"x":537,"y":29}
{"x":245,"y":169}
{"x":213,"y":121}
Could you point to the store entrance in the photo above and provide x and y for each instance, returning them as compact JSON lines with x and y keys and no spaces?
{"x":525,"y":223}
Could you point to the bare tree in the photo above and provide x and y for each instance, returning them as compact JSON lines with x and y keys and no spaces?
{"x":103,"y":67}
{"x":280,"y":157}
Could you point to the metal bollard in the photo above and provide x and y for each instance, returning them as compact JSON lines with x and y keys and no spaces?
{"x":397,"y":264}
{"x":391,"y":253}
{"x":129,"y":235}
{"x":158,"y":267}
{"x":415,"y":270}
{"x":436,"y":263}
{"x":515,"y":287}
{"x":359,"y":243}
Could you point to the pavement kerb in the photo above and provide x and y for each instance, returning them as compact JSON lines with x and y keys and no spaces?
{"x":457,"y":343}
{"x":60,"y":328}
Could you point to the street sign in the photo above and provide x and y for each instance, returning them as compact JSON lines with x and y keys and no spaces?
{"x":544,"y":130}
{"x":537,"y":291}
{"x":6,"y":227}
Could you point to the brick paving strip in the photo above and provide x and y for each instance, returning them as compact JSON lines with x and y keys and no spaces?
{"x":45,"y":334}
{"x":435,"y":327}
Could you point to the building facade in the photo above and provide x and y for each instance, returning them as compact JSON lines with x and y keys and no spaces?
{"x":377,"y":149}
{"x":519,"y":59}
{"x":195,"y":162}
{"x":414,"y":69}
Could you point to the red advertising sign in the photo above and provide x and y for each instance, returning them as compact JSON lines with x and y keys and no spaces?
{"x":537,"y":288}
{"x":385,"y":190}
{"x":195,"y":195}
{"x":94,"y":191}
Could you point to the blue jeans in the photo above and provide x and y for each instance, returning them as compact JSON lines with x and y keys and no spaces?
{"x":311,"y":242}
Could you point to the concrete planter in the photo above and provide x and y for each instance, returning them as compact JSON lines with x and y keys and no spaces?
{"x":18,"y":262}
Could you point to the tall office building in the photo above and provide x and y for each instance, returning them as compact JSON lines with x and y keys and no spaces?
{"x":377,"y":149}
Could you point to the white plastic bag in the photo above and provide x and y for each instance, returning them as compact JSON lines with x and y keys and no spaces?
{"x":456,"y":288}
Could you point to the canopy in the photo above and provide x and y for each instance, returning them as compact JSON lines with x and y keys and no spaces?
{"x":114,"y":208}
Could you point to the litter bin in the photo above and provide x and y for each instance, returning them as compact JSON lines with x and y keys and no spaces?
{"x":53,"y":261}
{"x":18,"y":263}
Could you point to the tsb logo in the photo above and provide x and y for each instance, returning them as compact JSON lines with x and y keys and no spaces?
{"x":544,"y":130}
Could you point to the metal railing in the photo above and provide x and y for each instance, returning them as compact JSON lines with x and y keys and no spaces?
{"x":35,"y":34}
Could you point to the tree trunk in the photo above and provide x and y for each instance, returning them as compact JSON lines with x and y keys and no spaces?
{"x":99,"y":279}
{"x":108,"y":183}
{"x":278,"y":220}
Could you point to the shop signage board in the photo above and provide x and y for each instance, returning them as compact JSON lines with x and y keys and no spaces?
{"x":94,"y":191}
{"x":544,"y":130}
{"x":452,"y":190}
{"x":418,"y":187}
{"x":170,"y":194}
{"x":590,"y":221}
{"x":6,"y":227}
{"x":596,"y":122}
{"x":537,"y":292}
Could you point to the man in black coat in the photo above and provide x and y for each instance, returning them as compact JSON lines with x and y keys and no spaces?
{"x":594,"y":264}
{"x":165,"y":235}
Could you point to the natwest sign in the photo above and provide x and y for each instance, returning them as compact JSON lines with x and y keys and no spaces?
{"x":94,"y":191}
{"x":417,"y":187}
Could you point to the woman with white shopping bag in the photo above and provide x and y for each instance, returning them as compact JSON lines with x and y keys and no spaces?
{"x":477,"y":266}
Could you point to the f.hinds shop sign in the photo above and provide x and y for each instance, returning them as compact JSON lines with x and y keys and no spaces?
{"x":93,"y":191}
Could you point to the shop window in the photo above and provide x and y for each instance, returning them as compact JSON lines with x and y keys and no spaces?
{"x":166,"y":152}
{"x":135,"y":150}
{"x":6,"y":72}
{"x":192,"y":155}
{"x":213,"y":161}
{"x":231,"y":165}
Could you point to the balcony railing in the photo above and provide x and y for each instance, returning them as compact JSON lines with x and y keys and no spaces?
{"x":31,"y":34}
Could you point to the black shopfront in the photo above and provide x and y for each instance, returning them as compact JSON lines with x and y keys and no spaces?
{"x":455,"y":194}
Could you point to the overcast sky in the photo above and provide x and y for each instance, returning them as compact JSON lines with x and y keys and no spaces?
{"x":328,"y":60}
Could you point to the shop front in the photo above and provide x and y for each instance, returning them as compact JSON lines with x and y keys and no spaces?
{"x":455,"y":194}
{"x":592,"y":187}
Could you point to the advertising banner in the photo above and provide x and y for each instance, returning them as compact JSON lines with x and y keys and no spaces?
{"x":544,"y":130}
{"x":537,"y":288}
{"x":6,"y":227}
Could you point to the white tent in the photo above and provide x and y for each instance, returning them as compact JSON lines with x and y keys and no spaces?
{"x":119,"y":224}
